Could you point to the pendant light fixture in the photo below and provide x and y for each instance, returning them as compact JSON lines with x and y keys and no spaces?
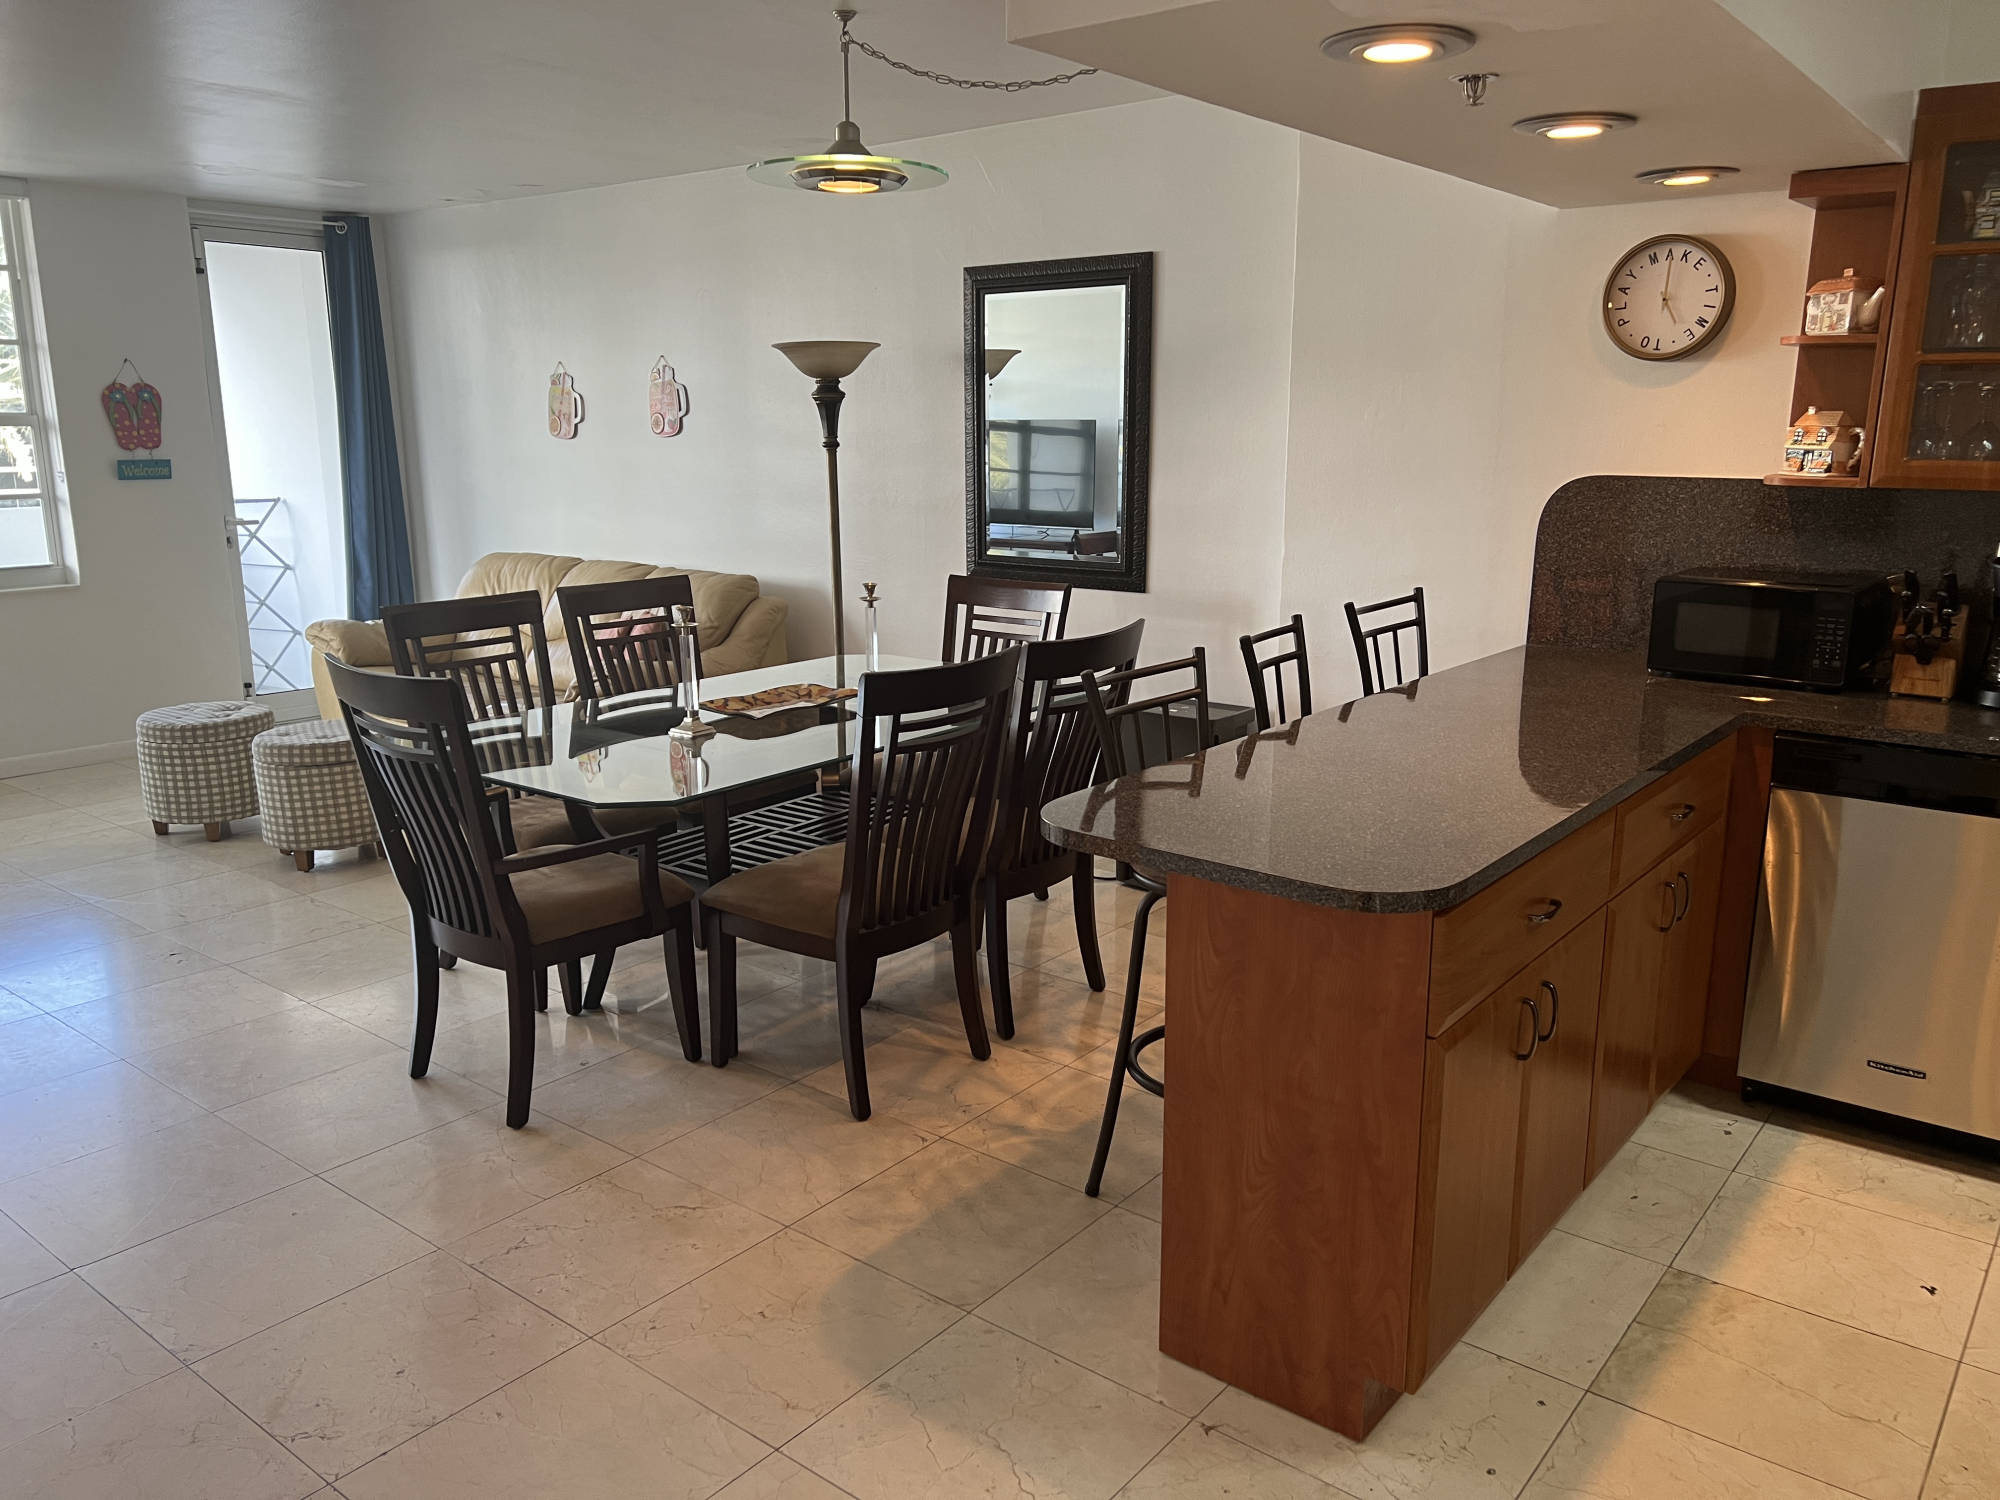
{"x":847,"y":166}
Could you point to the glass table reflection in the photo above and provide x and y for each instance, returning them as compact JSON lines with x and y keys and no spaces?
{"x":616,"y":752}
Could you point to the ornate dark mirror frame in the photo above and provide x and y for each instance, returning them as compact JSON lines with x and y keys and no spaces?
{"x":1135,"y":274}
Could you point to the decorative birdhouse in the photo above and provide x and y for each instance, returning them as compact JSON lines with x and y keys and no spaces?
{"x":1821,"y":443}
{"x":1835,"y":305}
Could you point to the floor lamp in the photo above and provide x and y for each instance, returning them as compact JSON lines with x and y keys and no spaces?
{"x":828,"y":362}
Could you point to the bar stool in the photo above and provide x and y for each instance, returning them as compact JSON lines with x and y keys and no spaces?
{"x":1368,"y":641}
{"x":1294,"y":652}
{"x":1127,"y":746}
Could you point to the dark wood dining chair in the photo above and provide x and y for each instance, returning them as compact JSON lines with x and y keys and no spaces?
{"x":522,"y":913}
{"x":496,"y":649}
{"x":1136,"y":732}
{"x":621,"y":637}
{"x":1291,"y":651}
{"x":984,"y":615}
{"x":927,"y":747}
{"x":1368,"y":641}
{"x":1052,"y":750}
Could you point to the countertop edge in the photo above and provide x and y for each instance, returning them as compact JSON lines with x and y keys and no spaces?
{"x":1773,"y":717}
{"x":1384,"y":903}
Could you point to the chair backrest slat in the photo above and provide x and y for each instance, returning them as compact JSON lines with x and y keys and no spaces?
{"x":1368,"y":641}
{"x":926,"y":765}
{"x":1053,"y":747}
{"x":418,"y":765}
{"x":492,"y":646}
{"x":986,"y":615}
{"x":621,"y":637}
{"x":1292,"y":653}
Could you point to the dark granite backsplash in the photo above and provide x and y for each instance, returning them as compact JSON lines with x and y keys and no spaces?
{"x":1604,"y":539}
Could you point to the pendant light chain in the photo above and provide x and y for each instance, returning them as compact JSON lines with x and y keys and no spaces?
{"x":1004,"y":86}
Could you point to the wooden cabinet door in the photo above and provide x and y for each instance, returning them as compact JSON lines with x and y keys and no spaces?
{"x":1555,"y":1112}
{"x":1465,"y":1204}
{"x":1639,"y":922}
{"x":1683,"y":1007}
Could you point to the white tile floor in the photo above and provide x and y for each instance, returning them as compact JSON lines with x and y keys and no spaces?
{"x":243,"y":1255}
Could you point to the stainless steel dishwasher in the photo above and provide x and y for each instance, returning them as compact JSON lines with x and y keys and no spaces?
{"x":1875,"y":964}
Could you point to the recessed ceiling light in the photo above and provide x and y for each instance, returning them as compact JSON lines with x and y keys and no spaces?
{"x":1686,"y":176}
{"x":1418,"y":42}
{"x":1581,"y":125}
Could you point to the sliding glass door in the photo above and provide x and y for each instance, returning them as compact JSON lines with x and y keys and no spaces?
{"x":273,"y":372}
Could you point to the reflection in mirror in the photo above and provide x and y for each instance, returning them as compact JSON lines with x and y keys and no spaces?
{"x":1058,"y":366}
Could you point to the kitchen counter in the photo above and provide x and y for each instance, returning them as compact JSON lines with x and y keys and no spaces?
{"x":1420,"y":797}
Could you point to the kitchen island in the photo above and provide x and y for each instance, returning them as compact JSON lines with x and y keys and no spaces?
{"x":1432,"y":957}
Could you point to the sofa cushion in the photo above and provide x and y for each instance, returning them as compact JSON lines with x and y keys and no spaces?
{"x":511,"y":572}
{"x":589,"y":570}
{"x":719,"y":598}
{"x":358,"y":643}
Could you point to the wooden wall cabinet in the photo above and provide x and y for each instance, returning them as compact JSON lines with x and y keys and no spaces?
{"x":1939,"y":426}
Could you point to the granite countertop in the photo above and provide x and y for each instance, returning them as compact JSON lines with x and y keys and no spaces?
{"x":1417,"y":798}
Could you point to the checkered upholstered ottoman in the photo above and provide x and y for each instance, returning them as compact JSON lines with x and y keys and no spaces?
{"x":310,"y":790}
{"x":194,"y":764}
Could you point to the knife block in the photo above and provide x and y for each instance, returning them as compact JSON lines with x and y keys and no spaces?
{"x":1936,"y":679}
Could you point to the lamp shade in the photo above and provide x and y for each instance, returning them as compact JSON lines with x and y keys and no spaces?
{"x":827,"y":359}
{"x":996,"y":361}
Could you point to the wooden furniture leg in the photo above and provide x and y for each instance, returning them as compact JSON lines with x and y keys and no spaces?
{"x":302,"y":859}
{"x":215,"y":831}
{"x":159,"y":828}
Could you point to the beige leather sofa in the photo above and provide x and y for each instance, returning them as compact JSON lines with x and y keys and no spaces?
{"x":740,"y":628}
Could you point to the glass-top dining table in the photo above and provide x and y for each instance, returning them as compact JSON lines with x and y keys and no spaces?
{"x":613,"y":753}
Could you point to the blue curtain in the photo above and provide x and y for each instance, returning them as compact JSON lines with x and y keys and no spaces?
{"x":378,"y":533}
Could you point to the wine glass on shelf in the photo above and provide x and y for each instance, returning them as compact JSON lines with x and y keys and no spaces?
{"x":1981,"y":326}
{"x":1925,"y":437}
{"x":1982,"y":438}
{"x":1951,"y":420}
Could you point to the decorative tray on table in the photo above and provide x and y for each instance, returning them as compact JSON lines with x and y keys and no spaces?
{"x":777,"y":699}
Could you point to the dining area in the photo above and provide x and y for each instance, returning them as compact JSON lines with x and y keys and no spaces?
{"x":862,"y":820}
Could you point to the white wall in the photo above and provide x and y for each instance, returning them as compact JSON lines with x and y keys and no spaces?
{"x":1575,"y":405}
{"x":1368,"y":375}
{"x":1398,"y":346}
{"x":712,"y":269}
{"x":152,"y":620}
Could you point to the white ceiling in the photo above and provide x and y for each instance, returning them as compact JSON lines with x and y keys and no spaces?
{"x":1707,"y":79}
{"x":382,"y":105}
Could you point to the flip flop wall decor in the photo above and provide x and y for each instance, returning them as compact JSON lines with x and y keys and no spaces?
{"x":565,"y":404}
{"x":133,"y":410}
{"x":669,"y":399}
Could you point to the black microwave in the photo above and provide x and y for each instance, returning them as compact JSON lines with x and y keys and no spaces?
{"x":1819,"y":631}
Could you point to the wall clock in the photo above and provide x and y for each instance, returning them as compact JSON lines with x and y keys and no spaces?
{"x":1668,"y":296}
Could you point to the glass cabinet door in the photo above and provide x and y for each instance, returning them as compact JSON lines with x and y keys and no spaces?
{"x":1941,"y":406}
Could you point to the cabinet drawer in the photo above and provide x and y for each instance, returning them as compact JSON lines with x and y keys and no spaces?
{"x":1674,"y":808}
{"x":1476,"y":946}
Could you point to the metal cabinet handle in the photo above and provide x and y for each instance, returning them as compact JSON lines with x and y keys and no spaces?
{"x":1555,"y":1012}
{"x":1538,"y":918}
{"x":1673,"y":906}
{"x":1687,"y":895}
{"x":1682,"y":813}
{"x":1534,"y":1030}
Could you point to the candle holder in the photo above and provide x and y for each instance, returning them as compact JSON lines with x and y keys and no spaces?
{"x":691,"y":727}
{"x":869,"y":601}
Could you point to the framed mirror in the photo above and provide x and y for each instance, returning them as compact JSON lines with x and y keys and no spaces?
{"x":1058,"y":418}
